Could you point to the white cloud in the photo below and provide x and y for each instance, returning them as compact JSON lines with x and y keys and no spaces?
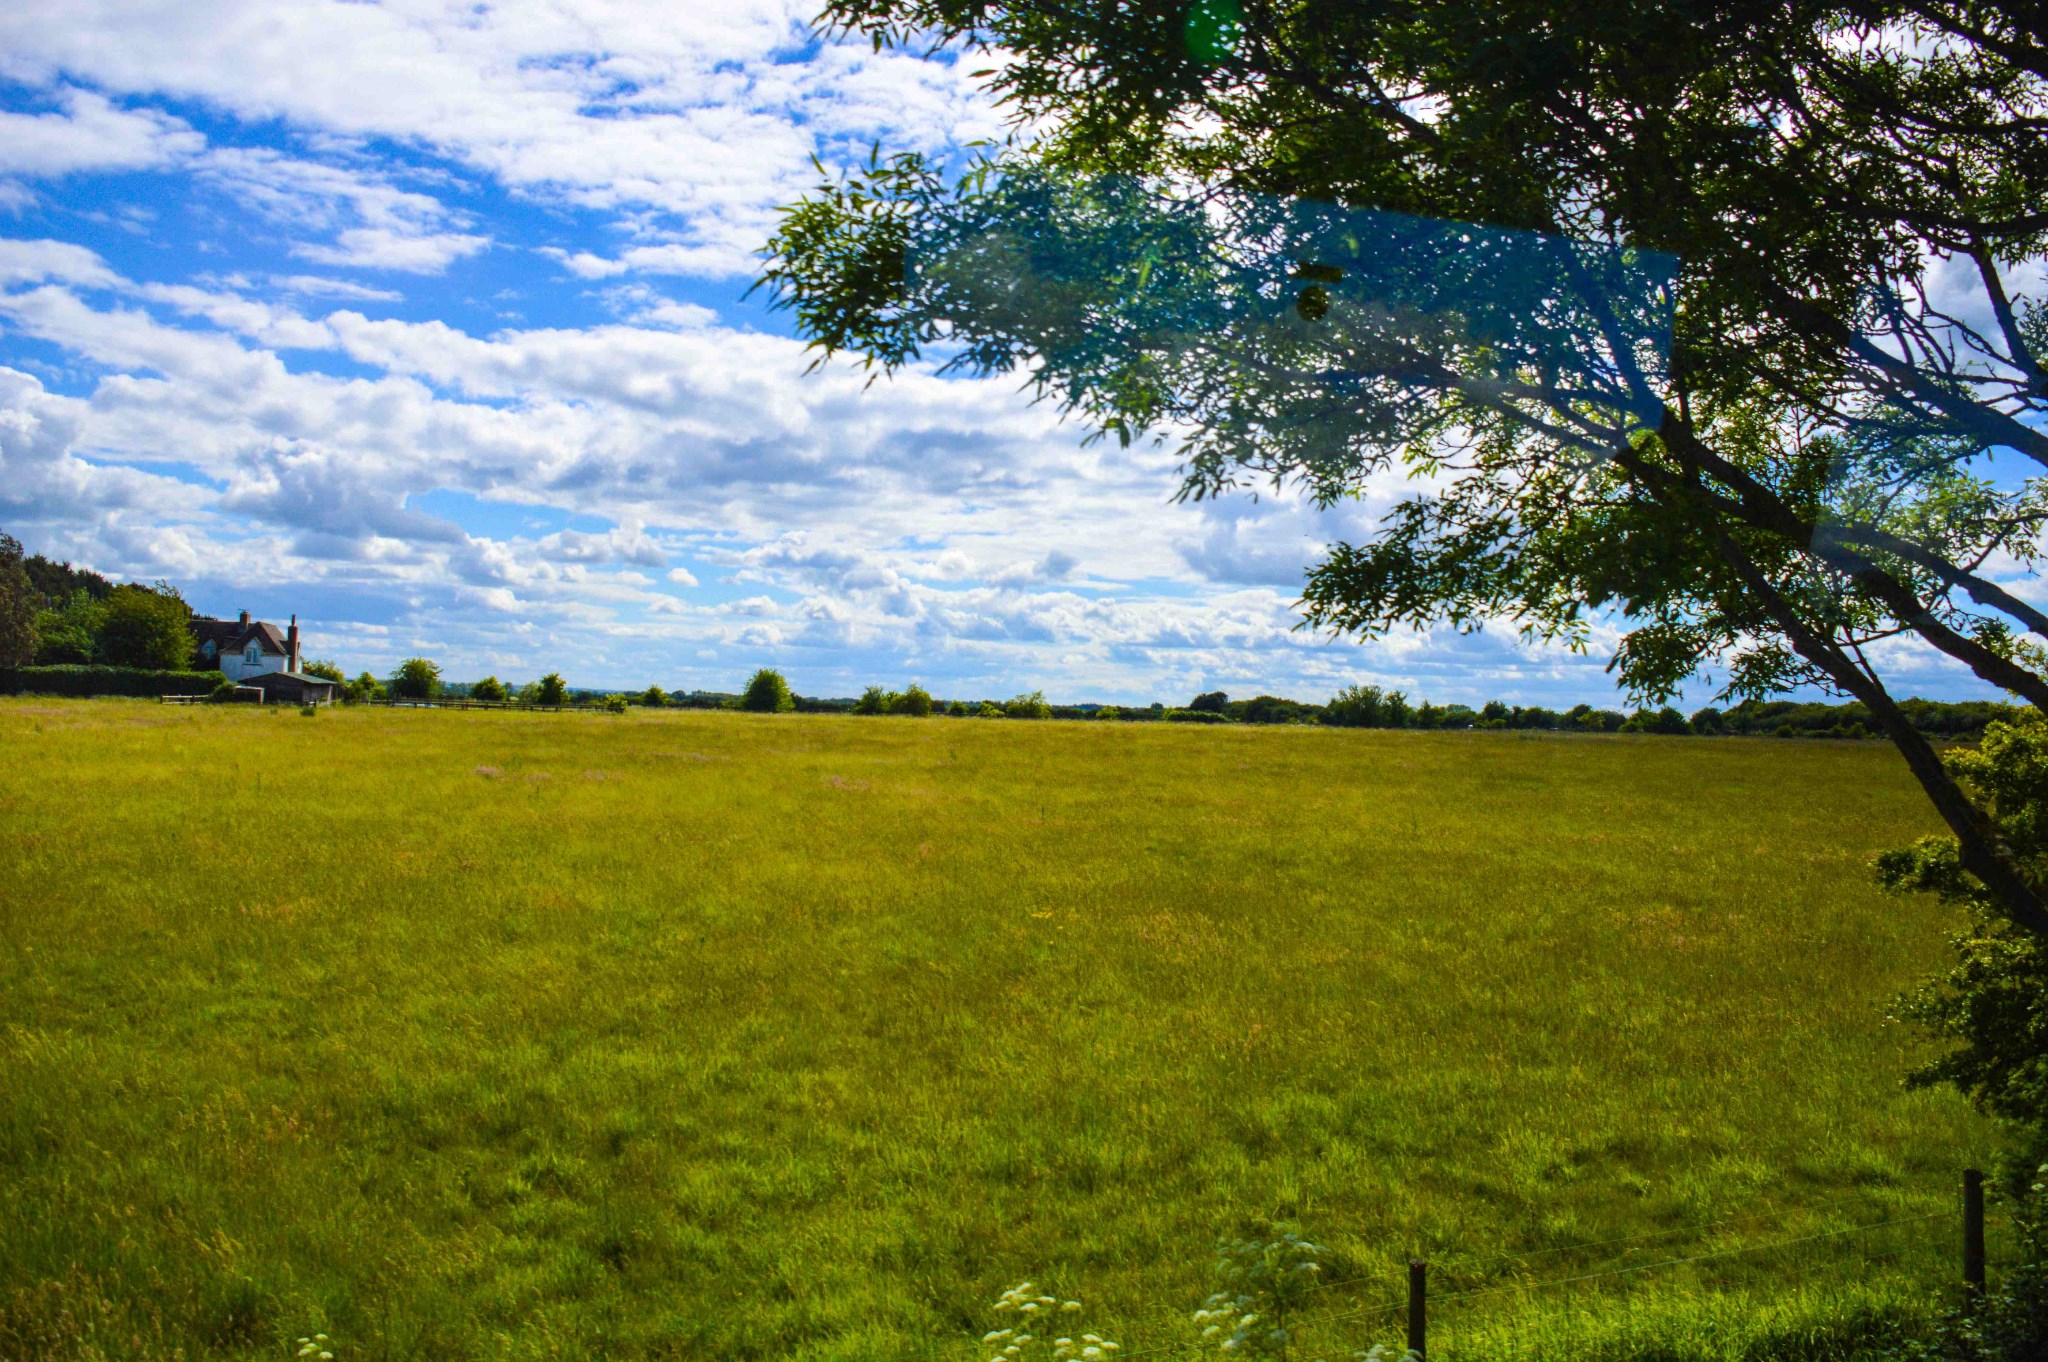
{"x":699,"y":119}
{"x":381,"y":248}
{"x":375,"y":224}
{"x":90,"y":133}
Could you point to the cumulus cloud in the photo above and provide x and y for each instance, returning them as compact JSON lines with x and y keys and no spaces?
{"x":422,"y":477}
{"x":88,"y":132}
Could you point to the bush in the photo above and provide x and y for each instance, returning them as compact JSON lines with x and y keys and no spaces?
{"x":989,"y":709}
{"x":1196,"y":716}
{"x":490,"y":689}
{"x":1708,"y":721}
{"x":914,"y":703}
{"x":956,"y":710}
{"x":1993,"y":1005}
{"x":222,"y":694}
{"x":615,"y":704}
{"x":1212,"y":703}
{"x":654,"y":697}
{"x":80,"y":681}
{"x":365,"y":689}
{"x":767,"y":693}
{"x":550,"y":690}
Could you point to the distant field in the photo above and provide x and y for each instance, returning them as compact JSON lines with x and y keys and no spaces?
{"x":466,"y":1035}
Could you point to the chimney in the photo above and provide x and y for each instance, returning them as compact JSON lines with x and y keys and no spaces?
{"x":291,"y":646}
{"x":245,"y":619}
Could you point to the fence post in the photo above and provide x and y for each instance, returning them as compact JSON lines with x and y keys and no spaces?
{"x":1418,"y":1320}
{"x":1973,"y":1235}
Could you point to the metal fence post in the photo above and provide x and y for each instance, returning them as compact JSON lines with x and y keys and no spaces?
{"x":1973,"y":1235}
{"x":1418,"y":1320}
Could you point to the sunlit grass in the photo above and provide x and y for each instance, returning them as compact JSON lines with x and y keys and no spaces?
{"x":463,"y":1035}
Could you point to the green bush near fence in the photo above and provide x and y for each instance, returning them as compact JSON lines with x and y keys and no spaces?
{"x":96,"y":680}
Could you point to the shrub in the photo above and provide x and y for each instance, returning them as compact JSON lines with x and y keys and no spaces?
{"x":956,"y":710}
{"x":1211,"y":703}
{"x":767,"y":693}
{"x":1708,"y":721}
{"x":1993,"y":1005}
{"x":1196,"y":716}
{"x":1109,"y":712}
{"x":551,"y":690}
{"x":654,"y":697}
{"x":490,"y":689}
{"x":615,"y":704}
{"x":914,"y":703}
{"x":365,"y":689}
{"x":82,"y":681}
{"x":989,"y":709}
{"x":223,"y":693}
{"x":416,"y":679}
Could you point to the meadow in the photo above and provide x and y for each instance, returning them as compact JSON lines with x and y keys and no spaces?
{"x":679,"y":1035}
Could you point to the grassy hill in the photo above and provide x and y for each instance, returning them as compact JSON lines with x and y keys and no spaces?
{"x":477,"y":1035}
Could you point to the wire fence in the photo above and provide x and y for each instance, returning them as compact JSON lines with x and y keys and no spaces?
{"x":1485,"y":1317}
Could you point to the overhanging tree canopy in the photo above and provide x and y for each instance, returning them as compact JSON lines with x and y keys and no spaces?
{"x":1199,"y":226}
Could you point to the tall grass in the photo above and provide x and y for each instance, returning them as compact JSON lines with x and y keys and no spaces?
{"x":480,"y":1035}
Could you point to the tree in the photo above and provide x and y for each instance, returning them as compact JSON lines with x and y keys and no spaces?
{"x":552,"y":690}
{"x":767,"y":693}
{"x":416,"y":679}
{"x":147,"y":627}
{"x":1643,"y":298}
{"x":18,"y":602}
{"x":875,"y":700}
{"x":915,"y":702}
{"x":1211,"y":702}
{"x":490,"y":690}
{"x":654,"y":697}
{"x":68,"y":635}
{"x":1032,"y":706}
{"x":365,"y":689}
{"x":1356,"y":707}
{"x":326,"y":671}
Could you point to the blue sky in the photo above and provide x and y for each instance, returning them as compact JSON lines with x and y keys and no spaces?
{"x":423,"y":321}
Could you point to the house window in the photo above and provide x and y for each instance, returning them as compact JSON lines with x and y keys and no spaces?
{"x":207,"y":650}
{"x":252,"y":656}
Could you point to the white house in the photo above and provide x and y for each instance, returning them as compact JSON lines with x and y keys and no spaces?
{"x":253,"y":653}
{"x":244,"y":648}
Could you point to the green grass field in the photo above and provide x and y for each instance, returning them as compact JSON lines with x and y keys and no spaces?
{"x":466,"y":1035}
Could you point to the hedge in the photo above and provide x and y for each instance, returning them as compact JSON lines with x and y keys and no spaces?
{"x":105,"y":681}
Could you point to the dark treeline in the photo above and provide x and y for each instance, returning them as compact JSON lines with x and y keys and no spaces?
{"x":1372,"y":707}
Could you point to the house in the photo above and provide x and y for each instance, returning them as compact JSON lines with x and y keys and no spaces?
{"x":254,"y":653}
